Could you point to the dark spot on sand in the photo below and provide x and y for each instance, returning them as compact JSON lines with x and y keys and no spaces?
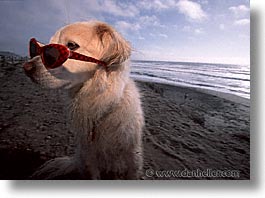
{"x":18,"y":163}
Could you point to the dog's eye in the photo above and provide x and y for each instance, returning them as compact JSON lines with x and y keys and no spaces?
{"x":72,"y":45}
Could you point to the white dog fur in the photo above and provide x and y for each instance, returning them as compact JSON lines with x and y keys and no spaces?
{"x":105,"y":112}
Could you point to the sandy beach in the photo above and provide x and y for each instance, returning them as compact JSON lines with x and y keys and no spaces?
{"x":186,"y":129}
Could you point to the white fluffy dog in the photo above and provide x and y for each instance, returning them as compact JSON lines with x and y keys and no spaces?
{"x":105,"y":112}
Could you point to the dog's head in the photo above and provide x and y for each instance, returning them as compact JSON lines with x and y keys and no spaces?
{"x":94,"y":39}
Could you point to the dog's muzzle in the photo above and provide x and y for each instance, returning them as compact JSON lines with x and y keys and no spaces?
{"x":29,"y":68}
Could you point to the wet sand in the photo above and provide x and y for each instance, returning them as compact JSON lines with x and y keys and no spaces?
{"x":186,"y":129}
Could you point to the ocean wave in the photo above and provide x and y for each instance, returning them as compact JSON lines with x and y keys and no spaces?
{"x":233,"y":79}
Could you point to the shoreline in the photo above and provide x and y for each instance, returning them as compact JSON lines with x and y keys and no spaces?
{"x":228,"y":96}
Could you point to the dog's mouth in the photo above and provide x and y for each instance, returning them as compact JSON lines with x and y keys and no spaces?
{"x":29,"y":69}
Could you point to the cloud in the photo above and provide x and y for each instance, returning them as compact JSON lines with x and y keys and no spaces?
{"x":149,"y":21}
{"x":141,"y":38}
{"x":191,"y":10}
{"x":152,"y":34}
{"x":125,"y":27}
{"x":198,"y":31}
{"x":186,"y":28}
{"x":241,"y":14}
{"x":242,"y":22}
{"x":203,"y":1}
{"x":244,"y":36}
{"x":239,"y":11}
{"x":142,"y":22}
{"x":121,"y":9}
{"x":221,"y":26}
{"x":156,"y":4}
{"x":163,"y":35}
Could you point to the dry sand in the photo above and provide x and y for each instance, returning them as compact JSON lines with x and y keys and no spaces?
{"x":186,"y":129}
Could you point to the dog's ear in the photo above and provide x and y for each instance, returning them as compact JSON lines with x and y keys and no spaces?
{"x":55,"y":38}
{"x":115,"y":48}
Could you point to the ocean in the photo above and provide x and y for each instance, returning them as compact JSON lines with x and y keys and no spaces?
{"x":233,"y":79}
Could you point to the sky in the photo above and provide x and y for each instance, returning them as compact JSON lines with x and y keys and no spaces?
{"x":212,"y":31}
